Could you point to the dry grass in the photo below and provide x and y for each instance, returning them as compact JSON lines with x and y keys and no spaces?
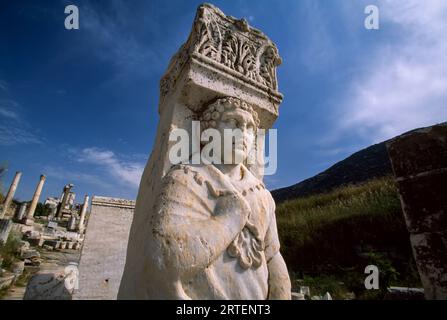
{"x":333,"y":235}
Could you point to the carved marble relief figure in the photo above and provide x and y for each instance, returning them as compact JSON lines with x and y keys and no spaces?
{"x":216,"y":228}
{"x":208,"y":230}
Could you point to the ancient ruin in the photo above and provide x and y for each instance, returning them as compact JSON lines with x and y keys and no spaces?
{"x":208,"y":231}
{"x":67,"y":200}
{"x":32,"y":207}
{"x":104,"y":252}
{"x":419,"y":161}
{"x":47,"y":243}
{"x":10,"y":194}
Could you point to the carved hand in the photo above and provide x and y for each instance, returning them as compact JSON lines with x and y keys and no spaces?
{"x":233,"y":203}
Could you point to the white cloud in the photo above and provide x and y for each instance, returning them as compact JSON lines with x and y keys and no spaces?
{"x":3,"y":86}
{"x":8,"y":113}
{"x":13,"y":129}
{"x":7,"y":109}
{"x":65,"y":174}
{"x":10,"y":135}
{"x":405,"y":85}
{"x":127,"y":172}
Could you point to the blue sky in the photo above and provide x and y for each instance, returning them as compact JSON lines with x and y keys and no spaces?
{"x":81,"y":105}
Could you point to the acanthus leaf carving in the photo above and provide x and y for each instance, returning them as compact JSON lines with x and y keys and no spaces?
{"x":236,"y":45}
{"x":229,"y":42}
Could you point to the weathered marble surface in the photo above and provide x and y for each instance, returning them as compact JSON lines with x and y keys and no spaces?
{"x":10,"y":194}
{"x":207,"y":231}
{"x":213,"y":238}
{"x":104,"y":248}
{"x":419,"y":161}
{"x":5,"y":229}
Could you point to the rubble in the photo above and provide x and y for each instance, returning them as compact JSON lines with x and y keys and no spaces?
{"x":18,"y":267}
{"x":30,"y":254}
{"x":46,"y":242}
{"x":47,"y":286}
{"x":6,"y":280}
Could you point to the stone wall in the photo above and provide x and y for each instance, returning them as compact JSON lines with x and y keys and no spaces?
{"x":419,"y":161}
{"x":104,"y":251}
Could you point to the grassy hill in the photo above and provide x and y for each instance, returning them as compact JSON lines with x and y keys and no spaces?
{"x":364,"y":165}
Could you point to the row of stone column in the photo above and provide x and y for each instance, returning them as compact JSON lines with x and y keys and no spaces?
{"x":32,"y":208}
{"x":35,"y":200}
{"x":12,"y":191}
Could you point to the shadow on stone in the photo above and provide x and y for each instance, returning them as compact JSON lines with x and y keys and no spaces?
{"x":47,"y":286}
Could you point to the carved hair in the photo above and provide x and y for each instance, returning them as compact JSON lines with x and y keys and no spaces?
{"x":213,"y":112}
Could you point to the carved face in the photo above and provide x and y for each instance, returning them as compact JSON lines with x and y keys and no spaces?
{"x":236,"y":122}
{"x":241,"y":136}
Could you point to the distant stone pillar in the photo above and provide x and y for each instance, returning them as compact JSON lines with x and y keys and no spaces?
{"x":70,"y":200}
{"x":36,"y":197}
{"x":11,"y":192}
{"x":83,"y":213}
{"x":22,"y":211}
{"x":5,"y":229}
{"x":419,"y":161}
{"x":64,"y":200}
{"x":72,"y":223}
{"x":52,"y":213}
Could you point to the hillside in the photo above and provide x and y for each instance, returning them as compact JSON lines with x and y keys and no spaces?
{"x":366,"y":164}
{"x":330,"y":238}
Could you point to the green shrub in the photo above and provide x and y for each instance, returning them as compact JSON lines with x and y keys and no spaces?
{"x":42,"y":210}
{"x":341,"y":232}
{"x":9,"y":251}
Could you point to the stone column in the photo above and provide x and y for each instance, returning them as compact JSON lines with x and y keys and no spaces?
{"x":5,"y":229}
{"x":32,"y":207}
{"x":72,"y":223}
{"x":83,"y":213}
{"x":22,"y":211}
{"x":64,"y":200}
{"x":53,"y":213}
{"x":11,"y":192}
{"x":71,"y":200}
{"x":419,"y":161}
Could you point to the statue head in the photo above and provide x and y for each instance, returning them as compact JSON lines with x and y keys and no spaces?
{"x":235,"y":120}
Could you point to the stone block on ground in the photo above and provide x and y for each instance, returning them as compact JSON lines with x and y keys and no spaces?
{"x":48,"y":286}
{"x":29,"y":254}
{"x":298,"y":296}
{"x":18,"y":267}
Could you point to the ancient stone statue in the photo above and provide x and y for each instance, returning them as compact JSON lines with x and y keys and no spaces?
{"x":208,"y":230}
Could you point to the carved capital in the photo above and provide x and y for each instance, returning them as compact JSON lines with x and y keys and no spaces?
{"x":228,"y":46}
